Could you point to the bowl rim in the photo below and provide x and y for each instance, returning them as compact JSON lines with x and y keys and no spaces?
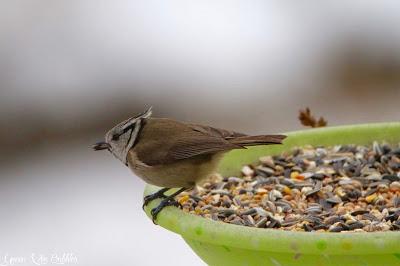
{"x":229,"y":235}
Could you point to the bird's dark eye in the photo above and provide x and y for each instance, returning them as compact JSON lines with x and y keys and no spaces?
{"x":115,"y":137}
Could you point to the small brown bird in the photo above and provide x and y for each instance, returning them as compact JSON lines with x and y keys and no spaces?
{"x":172,"y":154}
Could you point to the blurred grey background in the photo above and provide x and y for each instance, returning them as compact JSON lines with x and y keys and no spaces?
{"x":70,"y":70}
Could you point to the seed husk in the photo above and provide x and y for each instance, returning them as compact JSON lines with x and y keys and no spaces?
{"x":336,"y":228}
{"x":262,"y":222}
{"x":250,"y":211}
{"x":356,"y":225}
{"x":359,"y":212}
{"x":393,"y":217}
{"x":396,"y":225}
{"x":334,"y":200}
{"x":396,"y":201}
{"x":307,"y":228}
{"x":391,"y":178}
{"x":333,"y":219}
{"x":317,"y":188}
{"x":370,"y":217}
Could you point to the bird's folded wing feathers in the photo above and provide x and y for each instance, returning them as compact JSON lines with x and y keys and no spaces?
{"x":216,"y":132}
{"x":198,"y":145}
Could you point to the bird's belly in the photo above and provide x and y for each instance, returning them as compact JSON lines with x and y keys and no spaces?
{"x":185,"y":173}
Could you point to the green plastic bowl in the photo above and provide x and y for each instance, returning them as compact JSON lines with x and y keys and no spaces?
{"x":218,"y":243}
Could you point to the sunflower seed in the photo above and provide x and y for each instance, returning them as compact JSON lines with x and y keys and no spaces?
{"x":317,"y":188}
{"x":262,"y":222}
{"x":391,"y":178}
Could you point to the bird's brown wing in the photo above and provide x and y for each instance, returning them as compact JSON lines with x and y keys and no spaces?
{"x":216,"y":132}
{"x":204,"y":140}
{"x":198,"y":144}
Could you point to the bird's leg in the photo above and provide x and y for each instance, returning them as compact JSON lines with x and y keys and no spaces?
{"x":157,"y":195}
{"x":168,"y":201}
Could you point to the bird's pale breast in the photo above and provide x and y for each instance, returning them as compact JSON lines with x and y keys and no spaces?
{"x":183,"y":173}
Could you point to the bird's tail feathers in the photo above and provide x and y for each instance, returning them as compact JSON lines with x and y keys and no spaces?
{"x":257,"y":140}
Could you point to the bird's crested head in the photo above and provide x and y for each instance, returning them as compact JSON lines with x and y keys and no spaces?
{"x":122,"y":137}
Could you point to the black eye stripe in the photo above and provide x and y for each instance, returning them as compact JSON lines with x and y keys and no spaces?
{"x":126,"y":122}
{"x":116,"y":136}
{"x":132,"y":126}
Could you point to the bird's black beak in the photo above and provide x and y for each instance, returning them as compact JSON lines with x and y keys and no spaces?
{"x":101,"y":146}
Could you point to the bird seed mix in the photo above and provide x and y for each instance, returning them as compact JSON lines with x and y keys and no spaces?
{"x":324,"y":189}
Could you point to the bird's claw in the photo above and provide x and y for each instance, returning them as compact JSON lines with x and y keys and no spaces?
{"x":158,"y":195}
{"x":166,"y":202}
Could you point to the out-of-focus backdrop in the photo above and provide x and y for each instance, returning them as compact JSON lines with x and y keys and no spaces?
{"x":70,"y":70}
